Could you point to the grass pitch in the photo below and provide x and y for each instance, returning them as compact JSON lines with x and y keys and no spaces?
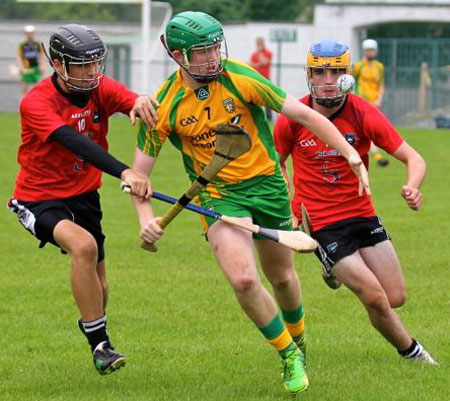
{"x":176,"y":318}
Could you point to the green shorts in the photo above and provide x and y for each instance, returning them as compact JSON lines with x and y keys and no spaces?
{"x":32,"y":75}
{"x":264,"y":198}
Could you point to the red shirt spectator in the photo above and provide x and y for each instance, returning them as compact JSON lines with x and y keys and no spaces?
{"x":261,"y":59}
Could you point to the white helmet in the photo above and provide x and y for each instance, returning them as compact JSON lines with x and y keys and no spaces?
{"x":29,"y":29}
{"x":369,"y":44}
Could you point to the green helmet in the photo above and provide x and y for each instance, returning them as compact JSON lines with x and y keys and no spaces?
{"x":191,"y":30}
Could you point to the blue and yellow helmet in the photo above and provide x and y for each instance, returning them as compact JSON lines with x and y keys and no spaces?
{"x":327,"y":54}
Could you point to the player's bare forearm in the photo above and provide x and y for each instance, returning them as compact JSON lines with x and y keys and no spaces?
{"x":416,"y":170}
{"x":143,"y":211}
{"x":143,"y":164}
{"x":414,"y":162}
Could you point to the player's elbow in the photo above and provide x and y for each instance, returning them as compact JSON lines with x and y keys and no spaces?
{"x":421,"y":162}
{"x":417,"y":161}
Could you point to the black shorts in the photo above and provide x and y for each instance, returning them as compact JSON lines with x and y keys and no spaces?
{"x":40,"y":218}
{"x":345,"y":237}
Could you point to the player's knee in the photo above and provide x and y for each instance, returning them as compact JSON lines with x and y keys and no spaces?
{"x":398,"y":299}
{"x":376,"y":300}
{"x":284,"y":280}
{"x":244,"y":282}
{"x":86,"y":248}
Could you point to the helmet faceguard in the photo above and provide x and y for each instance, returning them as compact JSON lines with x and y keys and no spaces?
{"x":78,"y":48}
{"x":327,"y":54}
{"x":190,"y":32}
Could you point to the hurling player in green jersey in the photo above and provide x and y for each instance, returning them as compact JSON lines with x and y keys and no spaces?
{"x":207,"y":89}
{"x":31,"y":59}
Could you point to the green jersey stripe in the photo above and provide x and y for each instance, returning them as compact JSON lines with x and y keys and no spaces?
{"x":164,"y":91}
{"x":174,"y":108}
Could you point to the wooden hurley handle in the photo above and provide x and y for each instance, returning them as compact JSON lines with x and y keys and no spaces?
{"x":148,"y":246}
{"x":170,"y":215}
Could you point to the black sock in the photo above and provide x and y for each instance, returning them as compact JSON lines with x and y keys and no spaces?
{"x":414,"y":350}
{"x":95,"y":331}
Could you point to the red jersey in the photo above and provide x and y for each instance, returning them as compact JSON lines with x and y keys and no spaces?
{"x":323,"y":180}
{"x":48,"y":170}
{"x":264,"y":71}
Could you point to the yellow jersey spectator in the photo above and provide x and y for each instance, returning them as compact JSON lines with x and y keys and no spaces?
{"x":369,"y":76}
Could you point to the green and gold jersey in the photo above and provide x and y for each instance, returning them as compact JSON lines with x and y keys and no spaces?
{"x":187,"y":117}
{"x":368,"y":79}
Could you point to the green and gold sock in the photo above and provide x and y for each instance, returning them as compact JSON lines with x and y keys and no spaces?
{"x":278,"y":336}
{"x":295,"y":323}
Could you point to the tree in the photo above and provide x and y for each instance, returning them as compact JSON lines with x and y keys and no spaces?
{"x":223,"y":10}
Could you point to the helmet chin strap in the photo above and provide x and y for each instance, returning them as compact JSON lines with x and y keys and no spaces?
{"x":204,"y":79}
{"x":328,"y":102}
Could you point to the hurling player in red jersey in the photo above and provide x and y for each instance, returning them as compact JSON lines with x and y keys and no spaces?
{"x":354,"y":247}
{"x":64,"y":122}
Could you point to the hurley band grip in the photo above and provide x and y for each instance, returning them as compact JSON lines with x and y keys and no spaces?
{"x":202,"y":180}
{"x":184,"y":201}
{"x":224,"y":156}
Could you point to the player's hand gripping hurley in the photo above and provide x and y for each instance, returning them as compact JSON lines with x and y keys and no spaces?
{"x":232,"y":141}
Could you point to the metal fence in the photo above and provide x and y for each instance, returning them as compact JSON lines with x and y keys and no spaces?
{"x":417,"y":77}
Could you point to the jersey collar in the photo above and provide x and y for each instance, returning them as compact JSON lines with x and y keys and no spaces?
{"x":339,"y":111}
{"x":336,"y":113}
{"x":78,"y":99}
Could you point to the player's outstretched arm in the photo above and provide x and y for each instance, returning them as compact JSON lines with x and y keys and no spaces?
{"x":328,"y":133}
{"x":416,"y":170}
{"x":150,"y":230}
{"x":94,"y":154}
